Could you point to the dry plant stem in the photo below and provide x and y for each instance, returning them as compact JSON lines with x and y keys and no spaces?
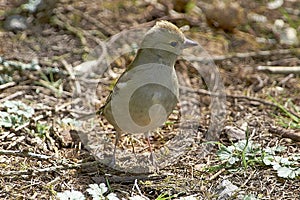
{"x":252,"y":173}
{"x":6,"y":85}
{"x":104,"y":29}
{"x":15,"y":142}
{"x":236,"y":192}
{"x":128,"y":178}
{"x":61,"y":107}
{"x":48,"y":169}
{"x":205,"y":92}
{"x":54,"y":181}
{"x":63,"y":22}
{"x":245,"y":55}
{"x":12,"y":96}
{"x":72,"y":76}
{"x":52,"y":145}
{"x":217,"y":174}
{"x":286,"y":79}
{"x":138,"y":189}
{"x":280,"y":69}
{"x":294,"y":135}
{"x":24,"y":154}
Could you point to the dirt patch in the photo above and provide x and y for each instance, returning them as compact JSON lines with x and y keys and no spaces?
{"x":37,"y":66}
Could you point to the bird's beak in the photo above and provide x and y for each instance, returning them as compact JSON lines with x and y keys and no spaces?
{"x":189,"y":43}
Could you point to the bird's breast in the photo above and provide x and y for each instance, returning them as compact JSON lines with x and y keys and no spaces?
{"x":147,"y":97}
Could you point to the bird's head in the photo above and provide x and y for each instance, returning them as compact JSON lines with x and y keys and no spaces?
{"x":166,"y":36}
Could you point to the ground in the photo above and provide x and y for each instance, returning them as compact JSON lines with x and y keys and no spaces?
{"x":43,"y":152}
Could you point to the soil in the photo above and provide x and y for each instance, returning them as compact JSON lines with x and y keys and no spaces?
{"x":62,"y":34}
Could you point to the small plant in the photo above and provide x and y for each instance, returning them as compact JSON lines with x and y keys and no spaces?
{"x":42,"y":129}
{"x":6,"y":73}
{"x":50,"y":83}
{"x":285,"y":167}
{"x":164,"y":197}
{"x":243,"y":152}
{"x":289,"y":120}
{"x":253,"y":154}
{"x":14,"y":114}
{"x":69,"y":122}
{"x":70,"y":195}
{"x":32,"y":5}
{"x":250,"y":197}
{"x":99,"y":192}
{"x":96,"y":191}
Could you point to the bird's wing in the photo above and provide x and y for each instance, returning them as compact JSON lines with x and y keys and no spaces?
{"x":122,"y":79}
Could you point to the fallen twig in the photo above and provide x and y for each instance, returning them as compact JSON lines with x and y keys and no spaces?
{"x":63,"y":22}
{"x":6,"y":85}
{"x":48,"y":169}
{"x":294,"y":135}
{"x":27,"y":123}
{"x":69,"y":69}
{"x":24,"y":154}
{"x":12,"y":96}
{"x":126,"y":178}
{"x":105,"y":30}
{"x":217,"y":174}
{"x":242,"y":55}
{"x":280,"y":69}
{"x":14,"y":142}
{"x":205,"y":92}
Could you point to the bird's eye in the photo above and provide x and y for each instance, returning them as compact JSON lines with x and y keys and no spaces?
{"x":173,"y":44}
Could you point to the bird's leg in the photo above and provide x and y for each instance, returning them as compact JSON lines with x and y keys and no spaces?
{"x":133,"y":150}
{"x":113,"y":160}
{"x":152,"y":156}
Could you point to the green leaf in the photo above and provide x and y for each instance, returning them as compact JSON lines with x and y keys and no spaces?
{"x":273,"y":150}
{"x":10,"y":104}
{"x":112,"y":196}
{"x":268,"y":160}
{"x":288,"y":172}
{"x":70,"y":195}
{"x":249,"y":197}
{"x":5,"y":123}
{"x":19,"y":108}
{"x":280,"y":148}
{"x":295,"y":157}
{"x":284,"y":172}
{"x":233,"y":160}
{"x":225,"y":153}
{"x":276,"y":166}
{"x":5,"y":120}
{"x":3,"y":114}
{"x":240,"y":146}
{"x":285,"y":161}
{"x":97,"y":191}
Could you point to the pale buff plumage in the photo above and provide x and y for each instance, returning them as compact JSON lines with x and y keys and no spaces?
{"x":149,"y":84}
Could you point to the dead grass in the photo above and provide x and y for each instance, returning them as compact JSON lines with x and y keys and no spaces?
{"x":70,"y":34}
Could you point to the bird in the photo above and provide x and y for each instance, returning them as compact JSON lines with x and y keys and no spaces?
{"x":147,"y":91}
